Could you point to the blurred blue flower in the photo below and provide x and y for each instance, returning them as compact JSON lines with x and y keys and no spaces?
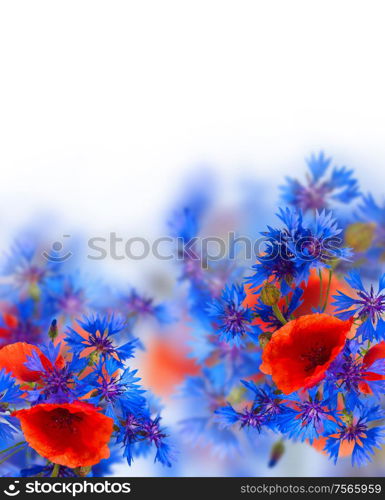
{"x":320,"y":189}
{"x":367,"y":306}
{"x":10,"y":395}
{"x":232,"y":320}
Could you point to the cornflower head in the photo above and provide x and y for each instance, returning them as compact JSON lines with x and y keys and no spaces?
{"x":296,"y":248}
{"x":233,"y":321}
{"x":66,"y":295}
{"x":138,"y":306}
{"x":355,"y":374}
{"x":266,"y":398}
{"x":320,"y":189}
{"x":248,"y":417}
{"x":10,"y":395}
{"x":367,"y":305}
{"x":359,"y":431}
{"x":307,"y":417}
{"x":25,"y":269}
{"x":139,"y":430}
{"x":58,"y":379}
{"x":113,"y":388}
{"x":97,"y":339}
{"x":263,"y":411}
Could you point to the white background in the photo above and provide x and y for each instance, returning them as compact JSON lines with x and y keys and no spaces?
{"x":104,"y":104}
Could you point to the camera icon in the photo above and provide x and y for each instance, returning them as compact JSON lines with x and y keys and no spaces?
{"x":12,"y":490}
{"x":54,"y":254}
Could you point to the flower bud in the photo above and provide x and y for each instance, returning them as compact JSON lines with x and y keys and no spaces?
{"x":276,"y":453}
{"x":359,"y":236}
{"x":34,"y":291}
{"x":270,"y":295}
{"x":93,"y":358}
{"x":53,"y":331}
{"x":264,"y":339}
{"x":236,"y":395}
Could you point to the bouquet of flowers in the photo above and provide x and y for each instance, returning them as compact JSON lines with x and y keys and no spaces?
{"x":288,"y":349}
{"x":295,"y":349}
{"x":76,"y":396}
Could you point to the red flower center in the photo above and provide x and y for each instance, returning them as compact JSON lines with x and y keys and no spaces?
{"x":62,"y":419}
{"x":316,"y":356}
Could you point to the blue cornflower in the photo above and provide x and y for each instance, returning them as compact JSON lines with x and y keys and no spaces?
{"x":248,"y":417}
{"x":233,"y":320}
{"x":66,"y":295}
{"x":368,"y":307}
{"x":265,"y":398}
{"x":25,"y":268}
{"x":139,"y":306}
{"x":292,"y":251}
{"x":321,"y":190}
{"x":10,"y":395}
{"x":264,"y":410}
{"x":349,"y":371}
{"x":58,"y":381}
{"x":357,"y":429}
{"x":98,"y":336}
{"x":113,"y":388}
{"x":307,"y":419}
{"x":137,"y":429}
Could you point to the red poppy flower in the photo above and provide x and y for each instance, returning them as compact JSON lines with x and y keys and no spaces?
{"x":14,"y":356}
{"x":72,"y":434}
{"x":300,"y":352}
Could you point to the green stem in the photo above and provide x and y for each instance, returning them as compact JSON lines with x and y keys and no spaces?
{"x":11,"y":447}
{"x":278,"y":314}
{"x":321,"y":288}
{"x":328,"y":289}
{"x":10,"y":455}
{"x":55,"y":470}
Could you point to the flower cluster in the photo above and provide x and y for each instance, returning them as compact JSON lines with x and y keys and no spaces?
{"x":287,"y":347}
{"x":295,"y":351}
{"x":72,"y":398}
{"x":68,"y":395}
